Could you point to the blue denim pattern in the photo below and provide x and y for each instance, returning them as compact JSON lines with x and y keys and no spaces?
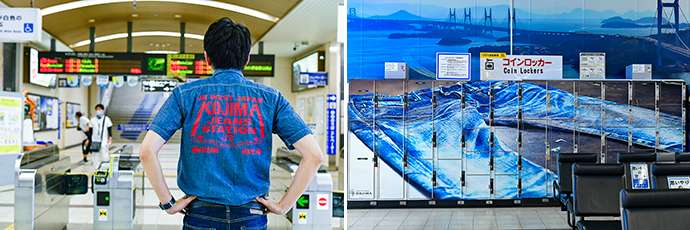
{"x":226,"y":123}
{"x":203,"y":215}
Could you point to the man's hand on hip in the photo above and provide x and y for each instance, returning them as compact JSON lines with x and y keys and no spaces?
{"x":272,"y":206}
{"x":180,"y":205}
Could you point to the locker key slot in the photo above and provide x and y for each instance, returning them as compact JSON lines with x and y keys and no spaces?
{"x":405,"y":100}
{"x":462,"y":179}
{"x":491,"y":162}
{"x":433,"y":178}
{"x":433,"y":139}
{"x":405,"y":159}
{"x":491,"y":186}
{"x":362,"y":158}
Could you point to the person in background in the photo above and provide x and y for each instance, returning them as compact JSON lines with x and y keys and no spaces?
{"x":101,"y":135}
{"x":84,"y":125}
{"x":227,"y":123}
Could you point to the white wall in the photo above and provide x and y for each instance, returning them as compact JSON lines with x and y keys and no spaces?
{"x":283,"y":82}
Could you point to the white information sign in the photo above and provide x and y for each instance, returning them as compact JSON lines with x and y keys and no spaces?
{"x":453,"y":66}
{"x":592,"y":66}
{"x":499,"y":66}
{"x":11,"y":111}
{"x":395,"y":70}
{"x":640,"y":176}
{"x":20,"y":24}
{"x":678,"y":182}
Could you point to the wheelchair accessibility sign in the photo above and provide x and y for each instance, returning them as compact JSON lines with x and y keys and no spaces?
{"x":20,"y":25}
{"x":28,"y":27}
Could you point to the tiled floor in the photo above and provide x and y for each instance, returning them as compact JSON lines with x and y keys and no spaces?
{"x":458,"y":218}
{"x":148,"y":214}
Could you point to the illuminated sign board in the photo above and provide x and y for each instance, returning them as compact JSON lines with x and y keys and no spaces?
{"x":182,"y":65}
{"x":173,"y":65}
{"x":260,"y":66}
{"x":101,"y":63}
{"x":158,"y":85}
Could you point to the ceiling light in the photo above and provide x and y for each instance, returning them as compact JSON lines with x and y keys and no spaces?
{"x":135,"y":15}
{"x":92,"y":20}
{"x":137,"y":34}
{"x":161,"y":52}
{"x":215,"y":4}
{"x":177,"y":16}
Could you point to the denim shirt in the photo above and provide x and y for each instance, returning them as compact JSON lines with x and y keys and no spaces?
{"x":226,"y":123}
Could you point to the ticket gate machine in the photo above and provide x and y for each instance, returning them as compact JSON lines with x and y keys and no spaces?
{"x":117,"y":188}
{"x":43,"y":188}
{"x":314,"y":209}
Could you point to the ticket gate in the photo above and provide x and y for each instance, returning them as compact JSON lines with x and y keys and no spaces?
{"x":42,"y":190}
{"x":314,"y":209}
{"x":117,"y":188}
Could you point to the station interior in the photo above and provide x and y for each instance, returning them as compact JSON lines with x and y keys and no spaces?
{"x":434,"y":114}
{"x":502,"y":114}
{"x":115,"y":36}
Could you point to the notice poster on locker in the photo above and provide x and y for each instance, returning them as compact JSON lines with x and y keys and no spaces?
{"x":640,"y":176}
{"x":407,"y":126}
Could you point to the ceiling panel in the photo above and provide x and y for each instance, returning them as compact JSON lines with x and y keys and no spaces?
{"x":73,"y":26}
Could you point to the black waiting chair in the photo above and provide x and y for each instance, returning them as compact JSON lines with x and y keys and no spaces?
{"x":682,"y":157}
{"x":563,"y":188}
{"x":642,"y":160}
{"x":596,"y":193}
{"x":662,"y":172}
{"x":564,"y":184}
{"x":661,"y":209}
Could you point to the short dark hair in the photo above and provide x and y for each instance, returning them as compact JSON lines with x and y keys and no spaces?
{"x":78,"y":114}
{"x":227,"y":44}
{"x":100,"y":106}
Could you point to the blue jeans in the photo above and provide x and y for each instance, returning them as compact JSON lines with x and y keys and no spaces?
{"x":206,"y":215}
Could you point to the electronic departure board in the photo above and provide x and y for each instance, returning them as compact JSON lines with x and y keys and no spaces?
{"x":174,"y":65}
{"x":102,"y":63}
{"x":183,"y":65}
{"x":260,"y":66}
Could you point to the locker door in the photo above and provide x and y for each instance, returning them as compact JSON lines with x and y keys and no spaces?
{"x":532,"y":139}
{"x":503,"y":119}
{"x":476,"y":138}
{"x":671,"y":119}
{"x":419,"y":130}
{"x":588,"y":117}
{"x":616,"y":119}
{"x":643,"y":116}
{"x":560,"y":127}
{"x":360,"y":154}
{"x":448,"y":125}
{"x":389,"y":146}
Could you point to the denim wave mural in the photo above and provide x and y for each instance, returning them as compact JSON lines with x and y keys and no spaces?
{"x":478,"y":123}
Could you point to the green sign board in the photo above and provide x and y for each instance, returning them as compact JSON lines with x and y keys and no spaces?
{"x":303,"y":202}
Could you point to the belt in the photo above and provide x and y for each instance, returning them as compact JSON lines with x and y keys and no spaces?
{"x":253,"y":206}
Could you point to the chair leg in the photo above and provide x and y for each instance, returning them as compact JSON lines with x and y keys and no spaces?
{"x":571,"y":213}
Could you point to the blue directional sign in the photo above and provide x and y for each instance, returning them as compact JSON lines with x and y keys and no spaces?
{"x":331,"y":119}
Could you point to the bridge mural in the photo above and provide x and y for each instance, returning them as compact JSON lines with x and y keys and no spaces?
{"x":629,"y":31}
